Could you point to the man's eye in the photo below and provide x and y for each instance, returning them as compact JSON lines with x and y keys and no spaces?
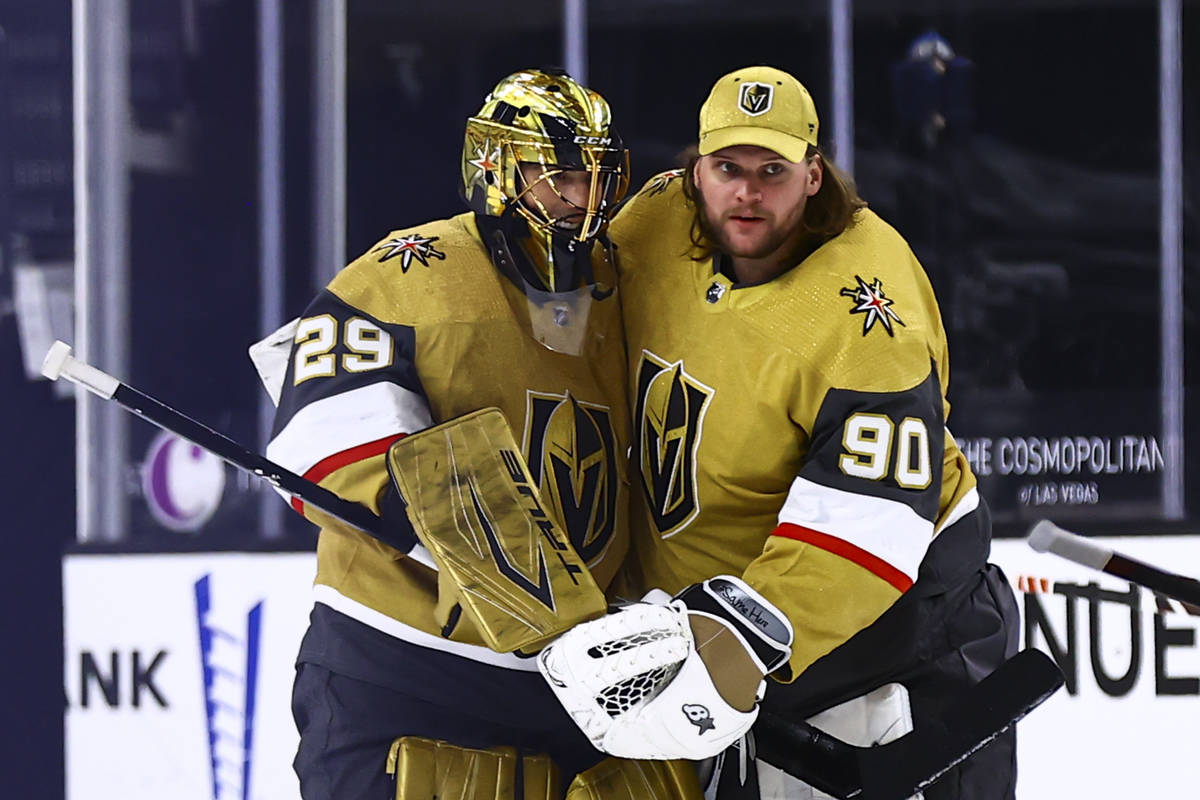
{"x":728,"y":168}
{"x":573,"y":179}
{"x":773,"y":169}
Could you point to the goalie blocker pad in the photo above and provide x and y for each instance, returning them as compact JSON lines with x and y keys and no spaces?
{"x":474,"y":506}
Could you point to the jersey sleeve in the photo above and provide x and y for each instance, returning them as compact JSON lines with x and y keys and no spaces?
{"x":351,"y":390}
{"x":859,"y":517}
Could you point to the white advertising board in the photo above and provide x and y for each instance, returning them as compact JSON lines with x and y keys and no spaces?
{"x":179,"y":672}
{"x":1129,"y":726}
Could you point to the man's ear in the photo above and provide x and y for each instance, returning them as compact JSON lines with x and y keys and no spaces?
{"x":696,"y":171}
{"x":816,"y":174}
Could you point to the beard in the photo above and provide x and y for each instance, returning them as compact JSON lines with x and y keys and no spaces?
{"x":776,"y":236}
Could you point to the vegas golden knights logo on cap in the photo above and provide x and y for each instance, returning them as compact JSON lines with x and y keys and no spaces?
{"x":755,"y":98}
{"x":572,"y":459}
{"x":669,"y":415}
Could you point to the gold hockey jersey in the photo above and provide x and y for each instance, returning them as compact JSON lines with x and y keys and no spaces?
{"x":790,"y":432}
{"x":421,"y":329}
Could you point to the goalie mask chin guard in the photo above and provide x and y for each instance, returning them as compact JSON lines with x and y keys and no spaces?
{"x":576,"y":171}
{"x":557,"y":320}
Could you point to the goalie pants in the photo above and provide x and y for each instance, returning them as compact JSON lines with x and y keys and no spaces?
{"x":357,"y":690}
{"x":932,"y":645}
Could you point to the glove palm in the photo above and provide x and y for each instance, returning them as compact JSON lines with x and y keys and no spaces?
{"x":675,"y":680}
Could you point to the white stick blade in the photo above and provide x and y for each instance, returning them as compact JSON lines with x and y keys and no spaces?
{"x":59,"y":363}
{"x":1046,"y":537}
{"x":1042,"y":535}
{"x":56,"y":359}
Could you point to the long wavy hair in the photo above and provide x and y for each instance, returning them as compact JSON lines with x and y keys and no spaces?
{"x":827,"y":213}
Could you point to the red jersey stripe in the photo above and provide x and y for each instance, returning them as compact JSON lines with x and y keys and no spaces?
{"x":867,"y":560}
{"x":338,"y":460}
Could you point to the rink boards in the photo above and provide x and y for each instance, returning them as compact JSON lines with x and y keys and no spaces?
{"x":178,"y":670}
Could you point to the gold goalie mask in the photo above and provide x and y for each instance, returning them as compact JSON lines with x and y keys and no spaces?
{"x":543,"y":168}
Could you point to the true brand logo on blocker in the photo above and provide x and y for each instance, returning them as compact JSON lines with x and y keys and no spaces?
{"x":229,"y":659}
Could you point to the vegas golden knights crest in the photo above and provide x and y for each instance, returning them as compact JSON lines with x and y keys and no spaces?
{"x":755,"y":98}
{"x":668,"y":417}
{"x":572,"y":458}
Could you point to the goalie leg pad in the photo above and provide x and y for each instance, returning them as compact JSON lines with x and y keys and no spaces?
{"x":424,"y":769}
{"x":474,"y":506}
{"x":624,"y":779}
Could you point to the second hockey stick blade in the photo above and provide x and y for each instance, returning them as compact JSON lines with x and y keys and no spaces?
{"x":901,"y":768}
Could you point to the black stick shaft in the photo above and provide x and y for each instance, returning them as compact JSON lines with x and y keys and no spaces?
{"x":1186,"y":590}
{"x":239,"y":456}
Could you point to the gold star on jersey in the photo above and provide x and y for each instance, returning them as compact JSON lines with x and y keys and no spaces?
{"x":409,"y":247}
{"x":870,"y":300}
{"x":658,"y":184}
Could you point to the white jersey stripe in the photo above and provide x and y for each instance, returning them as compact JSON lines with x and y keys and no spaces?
{"x":887,"y":529}
{"x":966,"y":504}
{"x":343,"y":421}
{"x":394,"y":627}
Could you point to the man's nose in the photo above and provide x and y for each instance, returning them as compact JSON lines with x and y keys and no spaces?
{"x":747,"y":190}
{"x":576,"y":190}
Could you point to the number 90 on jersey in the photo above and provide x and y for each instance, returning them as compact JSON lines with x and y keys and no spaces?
{"x":876,"y":447}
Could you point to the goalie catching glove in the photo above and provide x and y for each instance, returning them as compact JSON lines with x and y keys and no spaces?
{"x":676,"y":680}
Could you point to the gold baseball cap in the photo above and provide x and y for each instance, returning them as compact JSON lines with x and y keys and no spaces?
{"x":762,"y":106}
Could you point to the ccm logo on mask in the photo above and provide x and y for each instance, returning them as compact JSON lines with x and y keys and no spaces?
{"x":592,"y":140}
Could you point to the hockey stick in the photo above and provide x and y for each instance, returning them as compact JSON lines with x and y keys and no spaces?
{"x":1046,"y":537}
{"x":901,"y":768}
{"x":59,"y":363}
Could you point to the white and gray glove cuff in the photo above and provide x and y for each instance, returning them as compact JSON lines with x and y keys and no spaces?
{"x":762,"y":628}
